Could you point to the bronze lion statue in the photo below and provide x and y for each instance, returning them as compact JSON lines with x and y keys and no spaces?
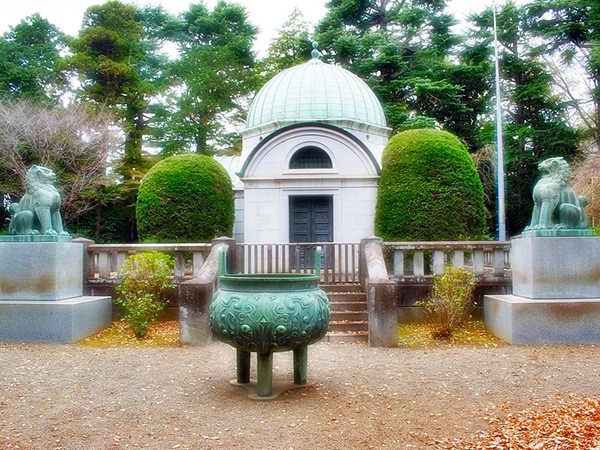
{"x":38,"y":212}
{"x":555,"y":204}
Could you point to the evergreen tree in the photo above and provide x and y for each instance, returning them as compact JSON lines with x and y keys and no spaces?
{"x":118,"y":70}
{"x":31,"y":66}
{"x":210,"y":81}
{"x":292,"y":47}
{"x":572,"y":28}
{"x":403,"y":48}
{"x":535,"y":120}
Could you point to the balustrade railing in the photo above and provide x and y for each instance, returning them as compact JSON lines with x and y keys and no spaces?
{"x":104,"y":261}
{"x":487,"y":260}
{"x":339,"y":263}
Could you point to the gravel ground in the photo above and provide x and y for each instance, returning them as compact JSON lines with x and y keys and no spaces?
{"x":85,"y":398}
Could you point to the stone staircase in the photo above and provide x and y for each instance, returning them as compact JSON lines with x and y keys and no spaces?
{"x":348,"y":321}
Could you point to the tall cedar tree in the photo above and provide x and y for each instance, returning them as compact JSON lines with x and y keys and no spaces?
{"x":120,"y":68}
{"x":113,"y":58}
{"x":31,"y":66}
{"x":211,"y":80}
{"x":291,"y":47}
{"x":535,"y":119}
{"x":572,"y":28}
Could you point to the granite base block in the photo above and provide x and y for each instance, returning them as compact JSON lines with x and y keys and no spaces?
{"x":60,"y":321}
{"x":556,"y":267}
{"x":41,"y":270}
{"x":521,"y":320}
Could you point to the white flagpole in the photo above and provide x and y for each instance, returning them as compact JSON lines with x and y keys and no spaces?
{"x":499,"y":140}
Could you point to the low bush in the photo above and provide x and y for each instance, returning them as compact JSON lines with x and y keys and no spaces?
{"x":145,"y":279}
{"x":450,"y":303}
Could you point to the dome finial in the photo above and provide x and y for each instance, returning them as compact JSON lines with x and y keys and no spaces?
{"x":315,"y":52}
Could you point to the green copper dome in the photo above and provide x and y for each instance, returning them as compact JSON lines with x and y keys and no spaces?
{"x":315,"y":91}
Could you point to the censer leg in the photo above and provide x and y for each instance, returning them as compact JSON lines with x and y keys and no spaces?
{"x":264,"y":371}
{"x":300,"y":359}
{"x":243,"y":366}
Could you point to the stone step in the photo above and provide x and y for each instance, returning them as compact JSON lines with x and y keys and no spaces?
{"x":352,"y":316}
{"x":351,"y":287}
{"x":348,"y":306}
{"x":339,"y":336}
{"x":335,"y":297}
{"x":348,"y":325}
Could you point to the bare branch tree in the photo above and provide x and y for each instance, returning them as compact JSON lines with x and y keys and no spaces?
{"x":586,"y":181}
{"x":72,"y":141}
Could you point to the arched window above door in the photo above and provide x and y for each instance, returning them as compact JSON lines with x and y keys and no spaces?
{"x":310,"y":158}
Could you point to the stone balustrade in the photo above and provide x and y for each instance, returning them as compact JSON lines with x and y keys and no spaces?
{"x":104,"y":261}
{"x":487,"y":260}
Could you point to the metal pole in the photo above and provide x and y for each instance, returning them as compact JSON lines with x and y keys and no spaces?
{"x":499,"y":140}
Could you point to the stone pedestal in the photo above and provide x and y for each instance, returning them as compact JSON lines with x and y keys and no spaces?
{"x":556,"y":267}
{"x":556,"y":293}
{"x":41,"y":294}
{"x":61,"y":321}
{"x":40,"y":270}
{"x":521,"y":320}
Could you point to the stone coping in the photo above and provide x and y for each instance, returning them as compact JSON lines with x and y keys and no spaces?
{"x":557,"y":233}
{"x":34,"y":238}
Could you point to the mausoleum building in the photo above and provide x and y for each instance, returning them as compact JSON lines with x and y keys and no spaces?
{"x":311,"y":158}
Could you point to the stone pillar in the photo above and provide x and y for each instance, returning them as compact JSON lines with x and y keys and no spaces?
{"x":86,"y":259}
{"x":381,"y":295}
{"x":194,"y":301}
{"x":196,"y":294}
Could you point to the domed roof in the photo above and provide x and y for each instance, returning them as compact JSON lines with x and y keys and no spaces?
{"x":315,"y":91}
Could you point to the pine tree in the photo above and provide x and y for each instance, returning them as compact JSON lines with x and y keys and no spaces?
{"x":31,"y":65}
{"x":210,"y":81}
{"x":535,"y":120}
{"x":117,"y":68}
{"x":572,"y":29}
{"x":403,"y":48}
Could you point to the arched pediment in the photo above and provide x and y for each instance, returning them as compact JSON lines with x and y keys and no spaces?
{"x":272,"y":156}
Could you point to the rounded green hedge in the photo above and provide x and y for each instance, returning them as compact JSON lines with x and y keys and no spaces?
{"x":429,"y":189}
{"x":185,"y":198}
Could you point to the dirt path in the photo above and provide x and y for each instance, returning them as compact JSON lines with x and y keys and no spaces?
{"x":165,"y":398}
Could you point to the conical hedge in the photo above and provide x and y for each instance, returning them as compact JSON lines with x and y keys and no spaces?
{"x":429,"y":189}
{"x":185,"y":198}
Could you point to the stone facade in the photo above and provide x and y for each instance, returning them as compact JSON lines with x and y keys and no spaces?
{"x":319,"y":106}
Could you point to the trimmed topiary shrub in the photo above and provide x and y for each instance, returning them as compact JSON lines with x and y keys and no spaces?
{"x":185,"y":198}
{"x":429,"y":189}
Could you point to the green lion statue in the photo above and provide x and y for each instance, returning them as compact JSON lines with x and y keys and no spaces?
{"x":556,"y":206}
{"x":38,"y":212}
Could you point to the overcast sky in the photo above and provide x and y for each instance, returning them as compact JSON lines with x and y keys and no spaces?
{"x":268,"y":15}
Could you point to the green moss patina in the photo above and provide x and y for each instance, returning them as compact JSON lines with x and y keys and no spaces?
{"x":37,"y":218}
{"x":557,"y":211}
